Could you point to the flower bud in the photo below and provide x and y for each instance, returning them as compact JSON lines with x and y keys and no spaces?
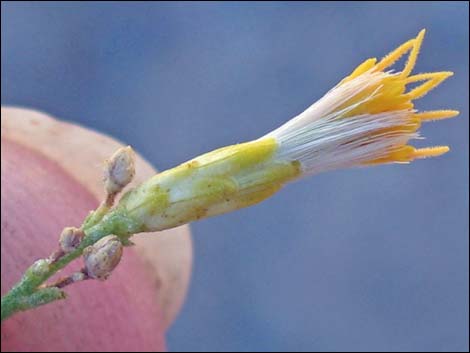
{"x":120,"y":170}
{"x":39,"y":267}
{"x":70,"y":238}
{"x":102,"y":257}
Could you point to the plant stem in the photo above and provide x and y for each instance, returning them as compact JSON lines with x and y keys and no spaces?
{"x":26,"y":294}
{"x":31,"y":291}
{"x":12,"y":302}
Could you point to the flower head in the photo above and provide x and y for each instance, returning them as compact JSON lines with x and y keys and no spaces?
{"x":368,"y":118}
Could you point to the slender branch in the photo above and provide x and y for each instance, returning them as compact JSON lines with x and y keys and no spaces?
{"x":100,"y":254}
{"x":26,"y":295}
{"x":79,"y":276}
{"x":12,"y":302}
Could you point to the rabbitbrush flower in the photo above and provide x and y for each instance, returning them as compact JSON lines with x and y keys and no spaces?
{"x":366,"y":119}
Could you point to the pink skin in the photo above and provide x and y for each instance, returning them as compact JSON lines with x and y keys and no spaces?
{"x":120,"y":314}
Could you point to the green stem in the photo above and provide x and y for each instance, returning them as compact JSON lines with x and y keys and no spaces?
{"x":26,"y":294}
{"x":12,"y":302}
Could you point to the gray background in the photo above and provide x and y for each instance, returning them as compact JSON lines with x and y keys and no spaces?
{"x":366,"y":259}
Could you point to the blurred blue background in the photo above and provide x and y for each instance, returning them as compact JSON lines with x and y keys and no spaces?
{"x":361,"y":260}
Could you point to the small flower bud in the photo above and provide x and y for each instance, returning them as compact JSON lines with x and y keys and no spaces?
{"x":102,"y":257}
{"x":70,"y":238}
{"x":40,"y":267}
{"x":120,"y":170}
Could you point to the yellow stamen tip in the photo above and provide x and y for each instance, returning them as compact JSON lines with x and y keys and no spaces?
{"x":391,"y":58}
{"x":430,"y":151}
{"x":445,"y":74}
{"x":441,"y":75}
{"x":410,"y":64}
{"x":433,"y":80}
{"x":437,"y":115}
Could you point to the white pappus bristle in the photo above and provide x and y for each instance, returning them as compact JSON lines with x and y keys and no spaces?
{"x":322,"y":138}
